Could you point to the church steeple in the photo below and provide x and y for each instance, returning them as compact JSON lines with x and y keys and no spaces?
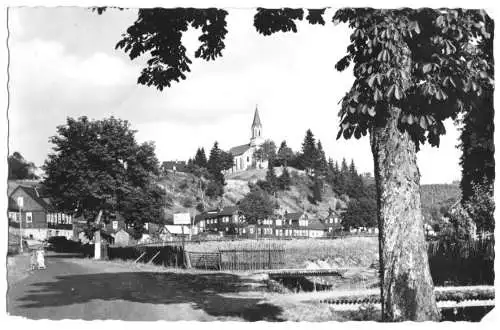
{"x":256,"y":129}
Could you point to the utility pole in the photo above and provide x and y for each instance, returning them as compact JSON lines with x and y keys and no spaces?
{"x":20,"y":204}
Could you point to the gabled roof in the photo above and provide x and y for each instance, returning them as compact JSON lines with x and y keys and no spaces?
{"x":293,"y":216}
{"x":225,"y":211}
{"x":35,"y":195}
{"x":315,"y":225}
{"x":177,"y":229}
{"x":256,"y":118}
{"x":228,"y":210}
{"x":239,"y":150}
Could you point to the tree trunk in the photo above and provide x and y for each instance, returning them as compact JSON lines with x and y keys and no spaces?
{"x":406,"y":285}
{"x":97,"y":237}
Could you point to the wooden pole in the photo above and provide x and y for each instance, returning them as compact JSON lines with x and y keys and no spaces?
{"x":150,"y":261}
{"x":97,"y":237}
{"x":142,"y":255}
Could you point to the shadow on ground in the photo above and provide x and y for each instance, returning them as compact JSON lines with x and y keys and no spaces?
{"x":203,"y":291}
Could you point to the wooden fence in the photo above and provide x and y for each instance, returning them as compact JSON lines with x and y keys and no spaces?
{"x":251,"y":259}
{"x":238,"y":259}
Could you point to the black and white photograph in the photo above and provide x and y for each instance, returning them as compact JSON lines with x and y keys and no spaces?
{"x":249,"y":162}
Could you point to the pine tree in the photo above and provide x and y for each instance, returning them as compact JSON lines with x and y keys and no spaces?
{"x":317,"y":189}
{"x":214,"y":164}
{"x":200,"y":158}
{"x":285,"y":154}
{"x":271,"y":178}
{"x":309,"y":152}
{"x":321,"y":167}
{"x":284,"y":179}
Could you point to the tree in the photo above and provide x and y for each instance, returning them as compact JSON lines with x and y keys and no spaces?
{"x":360,"y":213}
{"x":309,"y":155}
{"x":200,"y":159}
{"x":317,"y":188}
{"x":256,"y":205}
{"x":284,"y":180}
{"x":481,"y":206}
{"x":266,"y":151}
{"x":141,"y":205}
{"x":20,"y":168}
{"x":271,"y":177}
{"x":285,"y":154}
{"x":477,"y":132}
{"x":321,"y":166}
{"x":215,"y":164}
{"x":98,"y":169}
{"x":413,"y":69}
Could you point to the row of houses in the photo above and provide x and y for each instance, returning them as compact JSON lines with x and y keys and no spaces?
{"x":229,"y":221}
{"x":40,"y":220}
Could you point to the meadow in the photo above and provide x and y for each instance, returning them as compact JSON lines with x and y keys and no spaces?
{"x":345,"y":252}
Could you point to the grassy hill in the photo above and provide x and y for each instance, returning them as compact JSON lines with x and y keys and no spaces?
{"x":182,"y":191}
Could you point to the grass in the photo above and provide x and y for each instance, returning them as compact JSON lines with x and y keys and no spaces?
{"x":346,"y":252}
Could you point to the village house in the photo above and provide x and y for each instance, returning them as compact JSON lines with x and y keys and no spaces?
{"x":333,"y":223}
{"x":174,"y":166}
{"x":38,"y":217}
{"x":222,"y":220}
{"x":244,"y":154}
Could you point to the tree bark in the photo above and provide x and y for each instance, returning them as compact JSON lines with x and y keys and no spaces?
{"x":407,"y":290}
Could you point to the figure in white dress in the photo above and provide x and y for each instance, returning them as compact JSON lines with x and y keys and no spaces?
{"x":40,"y":259}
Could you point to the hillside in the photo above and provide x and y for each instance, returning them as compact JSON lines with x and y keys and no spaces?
{"x":437,"y":199}
{"x":182,"y":191}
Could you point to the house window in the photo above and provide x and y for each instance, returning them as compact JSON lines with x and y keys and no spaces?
{"x":12,"y":216}
{"x":29,"y":217}
{"x":248,"y":158}
{"x":115,"y":225}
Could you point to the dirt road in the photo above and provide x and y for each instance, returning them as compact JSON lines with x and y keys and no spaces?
{"x":76,"y":290}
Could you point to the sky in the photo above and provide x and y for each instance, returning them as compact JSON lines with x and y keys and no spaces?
{"x":63,"y":63}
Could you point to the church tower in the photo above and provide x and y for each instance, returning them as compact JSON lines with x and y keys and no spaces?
{"x":256,"y":130}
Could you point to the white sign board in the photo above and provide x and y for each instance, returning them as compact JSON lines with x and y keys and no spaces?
{"x":20,"y":202}
{"x":182,"y":219}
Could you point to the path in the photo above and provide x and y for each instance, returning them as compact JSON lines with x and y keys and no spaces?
{"x":69,"y":290}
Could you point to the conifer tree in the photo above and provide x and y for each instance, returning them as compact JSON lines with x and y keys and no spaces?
{"x":285,"y":154}
{"x":309,"y":155}
{"x":321,"y":166}
{"x":271,"y":178}
{"x":284,"y":179}
{"x":214,"y":164}
{"x":200,"y":159}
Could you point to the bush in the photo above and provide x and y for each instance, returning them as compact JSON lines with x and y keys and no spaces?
{"x":462,"y":263}
{"x":214,"y":189}
{"x":62,"y":244}
{"x":187,"y":202}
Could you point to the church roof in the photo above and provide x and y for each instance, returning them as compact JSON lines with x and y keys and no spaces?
{"x":239,"y":150}
{"x":256,"y":118}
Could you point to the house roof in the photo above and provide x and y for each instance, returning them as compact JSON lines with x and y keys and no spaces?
{"x":225,"y":211}
{"x":315,"y":225}
{"x":256,"y":118}
{"x":34,"y":193}
{"x":293,"y":216}
{"x":239,"y":150}
{"x":177,"y":229}
{"x":228,"y":210}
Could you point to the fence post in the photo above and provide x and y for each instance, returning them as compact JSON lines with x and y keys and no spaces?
{"x":187,"y":259}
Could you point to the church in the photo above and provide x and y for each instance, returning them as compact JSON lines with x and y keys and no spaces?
{"x":244,"y":154}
